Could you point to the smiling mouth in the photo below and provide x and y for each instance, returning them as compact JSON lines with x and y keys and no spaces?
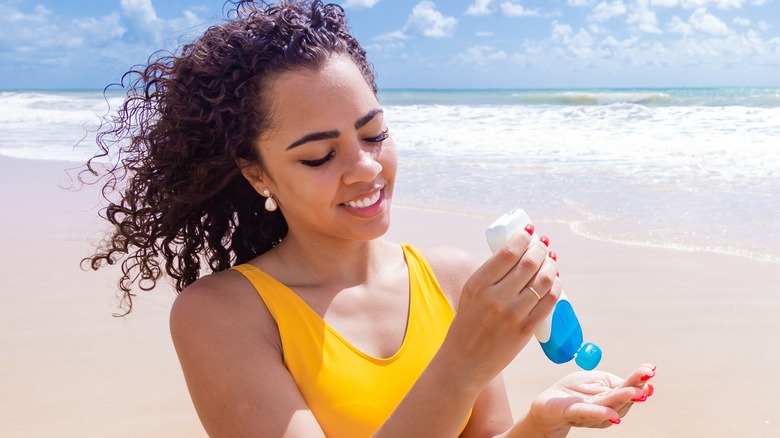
{"x":365,"y":202}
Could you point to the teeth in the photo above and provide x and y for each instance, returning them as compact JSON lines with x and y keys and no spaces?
{"x":365,"y":202}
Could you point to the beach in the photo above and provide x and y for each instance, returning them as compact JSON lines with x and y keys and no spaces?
{"x":71,"y":369}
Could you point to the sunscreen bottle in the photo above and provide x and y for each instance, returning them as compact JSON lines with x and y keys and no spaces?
{"x":560,"y":334}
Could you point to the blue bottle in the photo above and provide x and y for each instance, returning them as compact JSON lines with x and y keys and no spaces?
{"x":560,"y":334}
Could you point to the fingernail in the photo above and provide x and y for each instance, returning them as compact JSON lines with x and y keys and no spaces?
{"x":530,"y":229}
{"x":647,"y":377}
{"x":557,"y":274}
{"x":545,"y":240}
{"x":640,"y":398}
{"x":553,"y":255}
{"x":650,"y":390}
{"x":614,"y":421}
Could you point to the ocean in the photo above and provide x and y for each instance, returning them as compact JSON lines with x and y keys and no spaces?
{"x":696,"y":169}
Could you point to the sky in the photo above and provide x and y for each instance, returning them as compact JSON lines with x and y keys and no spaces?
{"x":87,"y":44}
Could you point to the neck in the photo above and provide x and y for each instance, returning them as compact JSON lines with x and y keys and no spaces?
{"x":341,"y":263}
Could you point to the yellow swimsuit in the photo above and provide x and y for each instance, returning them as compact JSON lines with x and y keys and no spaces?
{"x":349,"y":392}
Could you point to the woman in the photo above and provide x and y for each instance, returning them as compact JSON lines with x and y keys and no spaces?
{"x":261,"y":151}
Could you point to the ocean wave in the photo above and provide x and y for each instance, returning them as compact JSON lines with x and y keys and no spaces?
{"x":650,"y":97}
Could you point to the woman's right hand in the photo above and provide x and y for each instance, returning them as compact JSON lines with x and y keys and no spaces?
{"x":498,"y":312}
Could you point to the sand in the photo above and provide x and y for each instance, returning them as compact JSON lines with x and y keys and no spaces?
{"x":70,"y":369}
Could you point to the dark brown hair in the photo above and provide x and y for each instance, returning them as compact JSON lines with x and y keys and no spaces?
{"x":183,"y":203}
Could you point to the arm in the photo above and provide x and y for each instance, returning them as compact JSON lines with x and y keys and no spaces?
{"x":230,"y":353}
{"x":584,"y":399}
{"x":491,"y":414}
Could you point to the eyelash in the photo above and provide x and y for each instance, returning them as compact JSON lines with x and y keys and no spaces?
{"x":317,"y":163}
{"x":379,"y":138}
{"x":320,"y":162}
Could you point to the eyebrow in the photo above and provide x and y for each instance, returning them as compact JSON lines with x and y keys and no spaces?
{"x":324,"y":135}
{"x":363,"y":121}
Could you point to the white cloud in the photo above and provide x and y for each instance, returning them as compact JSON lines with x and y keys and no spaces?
{"x":677,"y":25}
{"x":695,"y":4}
{"x":644,"y":18}
{"x":368,"y":4}
{"x":605,"y":11}
{"x":483,"y":34}
{"x":739,"y":21}
{"x":101,"y":29}
{"x":704,"y":22}
{"x":517,"y":10}
{"x":580,"y":2}
{"x":141,"y":16}
{"x":561,"y":32}
{"x":37,"y":40}
{"x":578,"y":44}
{"x":141,"y":10}
{"x":665,"y":3}
{"x":481,"y":7}
{"x":426,"y":21}
{"x":480,"y":55}
{"x":764,"y":25}
{"x":395,"y":35}
{"x":505,"y":7}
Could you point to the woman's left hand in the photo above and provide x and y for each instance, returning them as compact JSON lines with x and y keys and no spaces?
{"x":594,"y":399}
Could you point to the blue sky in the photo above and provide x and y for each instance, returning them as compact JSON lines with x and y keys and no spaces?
{"x":428,"y":43}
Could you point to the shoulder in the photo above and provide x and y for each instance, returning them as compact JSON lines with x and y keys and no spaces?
{"x":223,"y":334}
{"x":451,"y":266}
{"x":217,"y":307}
{"x":211,"y":294}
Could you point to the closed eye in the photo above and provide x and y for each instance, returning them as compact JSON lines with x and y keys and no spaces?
{"x":319,"y":162}
{"x":379,"y":138}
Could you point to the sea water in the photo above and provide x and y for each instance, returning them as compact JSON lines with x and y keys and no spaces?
{"x":693,"y":169}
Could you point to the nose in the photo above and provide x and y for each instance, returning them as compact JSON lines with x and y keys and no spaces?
{"x":363,"y":165}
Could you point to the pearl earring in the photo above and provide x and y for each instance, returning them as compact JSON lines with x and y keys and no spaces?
{"x":270,"y":203}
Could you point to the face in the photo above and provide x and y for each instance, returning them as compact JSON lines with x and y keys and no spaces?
{"x":329,"y":160}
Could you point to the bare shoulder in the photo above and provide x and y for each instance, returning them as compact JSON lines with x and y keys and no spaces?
{"x":218,"y":301}
{"x":218,"y":311}
{"x":230,"y":353}
{"x":452,"y":267}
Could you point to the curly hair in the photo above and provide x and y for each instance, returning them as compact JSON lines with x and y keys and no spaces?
{"x":174,"y":143}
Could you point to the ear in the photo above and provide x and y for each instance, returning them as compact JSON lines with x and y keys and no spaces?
{"x":253,"y":173}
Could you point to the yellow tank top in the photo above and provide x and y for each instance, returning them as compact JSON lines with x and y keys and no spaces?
{"x":350,"y":392}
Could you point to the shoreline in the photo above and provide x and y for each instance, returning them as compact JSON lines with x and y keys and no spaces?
{"x":705,"y":320}
{"x":574,"y":227}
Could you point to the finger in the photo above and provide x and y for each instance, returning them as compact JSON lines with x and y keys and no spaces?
{"x":525,"y":269}
{"x":620,"y":397}
{"x":541,"y":283}
{"x":506,"y":258}
{"x":547,"y":303}
{"x":586,"y":414}
{"x":639,"y":377}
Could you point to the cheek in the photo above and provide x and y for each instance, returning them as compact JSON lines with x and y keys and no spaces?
{"x":389,"y":159}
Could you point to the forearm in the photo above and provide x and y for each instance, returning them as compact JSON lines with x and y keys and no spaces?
{"x":439,"y":402}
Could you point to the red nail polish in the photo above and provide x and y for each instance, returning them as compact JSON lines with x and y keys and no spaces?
{"x":614,"y":421}
{"x":557,"y":274}
{"x":545,"y":240}
{"x":530,"y":229}
{"x":640,"y":398}
{"x":647,"y":377}
{"x":553,"y":255}
{"x":650,"y":390}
